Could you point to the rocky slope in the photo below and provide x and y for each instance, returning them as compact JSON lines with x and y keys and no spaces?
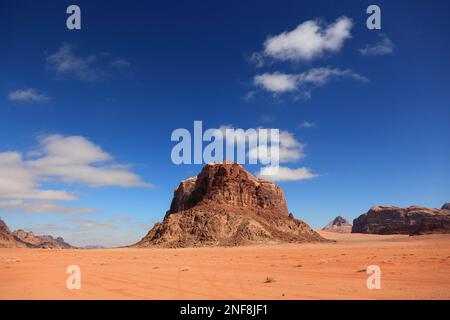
{"x":44,"y":241}
{"x":23,"y":239}
{"x":7,"y":239}
{"x":339,"y":224}
{"x":395,"y":220}
{"x":225,"y":205}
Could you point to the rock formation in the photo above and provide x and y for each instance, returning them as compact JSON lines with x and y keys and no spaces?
{"x":44,"y":241}
{"x":446,"y":206}
{"x":393,"y":220}
{"x":25,"y":239}
{"x":7,"y":239}
{"x":225,"y":205}
{"x":339,"y":224}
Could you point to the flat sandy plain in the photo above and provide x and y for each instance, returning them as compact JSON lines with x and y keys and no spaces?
{"x":411,"y":268}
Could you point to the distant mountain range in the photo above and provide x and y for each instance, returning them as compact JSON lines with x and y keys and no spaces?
{"x":24,"y":239}
{"x":225,"y":205}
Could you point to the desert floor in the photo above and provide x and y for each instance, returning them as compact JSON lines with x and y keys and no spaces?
{"x":411,"y":268}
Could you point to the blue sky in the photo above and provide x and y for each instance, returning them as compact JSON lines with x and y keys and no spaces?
{"x":369,"y":109}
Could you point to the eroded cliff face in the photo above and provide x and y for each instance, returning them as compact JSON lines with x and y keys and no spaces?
{"x":6,"y":236}
{"x":228,"y":184}
{"x":395,"y":220}
{"x":225,"y":205}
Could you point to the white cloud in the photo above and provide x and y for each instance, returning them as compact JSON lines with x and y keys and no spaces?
{"x":276,"y":82}
{"x":383,"y":47}
{"x":264,"y":153}
{"x":286,"y":174}
{"x":289,"y":149}
{"x":72,"y":159}
{"x":17,"y":181}
{"x":28,"y":95}
{"x":308,"y":41}
{"x":306,"y":124}
{"x":311,"y":39}
{"x":75,"y":159}
{"x":280,"y":82}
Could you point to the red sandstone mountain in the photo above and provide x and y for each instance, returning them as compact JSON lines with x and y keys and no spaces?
{"x":339,"y":224}
{"x":7,"y":239}
{"x":25,"y":239}
{"x":44,"y":241}
{"x":225,"y":205}
{"x":394,"y":220}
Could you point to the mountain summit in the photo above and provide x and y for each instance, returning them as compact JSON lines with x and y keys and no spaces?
{"x":225,"y":205}
{"x":339,"y":224}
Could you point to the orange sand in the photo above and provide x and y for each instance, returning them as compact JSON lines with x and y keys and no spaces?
{"x":412,"y":268}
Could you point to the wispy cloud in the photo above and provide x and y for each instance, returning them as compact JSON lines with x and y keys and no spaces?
{"x":65,"y":61}
{"x":267,"y":118}
{"x":249,"y":95}
{"x":92,"y":223}
{"x":309,"y":40}
{"x":96,"y":66}
{"x":306,"y":124}
{"x":383,"y":47}
{"x":110,"y":232}
{"x":40,"y":207}
{"x":120,"y":63}
{"x":28,"y":95}
{"x":278,"y":83}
